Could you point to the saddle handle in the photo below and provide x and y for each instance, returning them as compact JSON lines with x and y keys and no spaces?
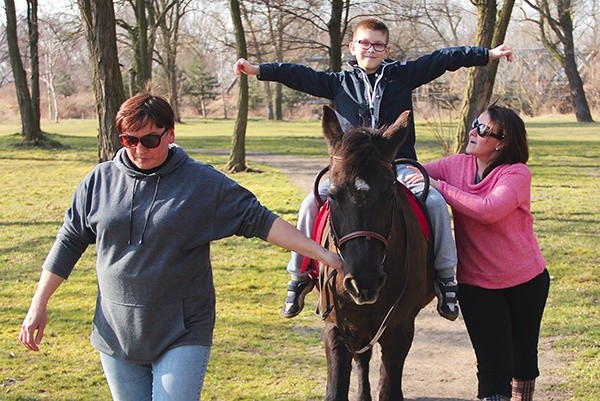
{"x":318,"y":177}
{"x":412,"y":162}
{"x":422,"y":170}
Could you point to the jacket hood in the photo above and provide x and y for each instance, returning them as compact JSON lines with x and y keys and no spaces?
{"x":125,"y":165}
{"x":353,"y":64}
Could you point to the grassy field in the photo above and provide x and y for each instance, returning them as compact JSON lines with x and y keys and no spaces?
{"x":258,"y":355}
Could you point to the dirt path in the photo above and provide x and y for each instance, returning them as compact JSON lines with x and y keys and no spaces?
{"x":441,"y":363}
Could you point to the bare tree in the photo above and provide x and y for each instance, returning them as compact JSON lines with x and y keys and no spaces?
{"x":28,"y":101}
{"x":237,"y":155}
{"x":334,"y":21}
{"x":336,"y":28}
{"x":57,"y":35}
{"x":480,"y":82}
{"x":267,"y":41}
{"x":99,"y":21}
{"x":170,"y":14}
{"x":141,"y":38}
{"x":555,"y":23}
{"x":33,"y":30}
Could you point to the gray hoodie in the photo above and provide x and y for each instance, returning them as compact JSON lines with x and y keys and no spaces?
{"x":152,"y":234}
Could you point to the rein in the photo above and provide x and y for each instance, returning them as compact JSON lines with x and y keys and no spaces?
{"x":337,"y":241}
{"x":328,"y":285}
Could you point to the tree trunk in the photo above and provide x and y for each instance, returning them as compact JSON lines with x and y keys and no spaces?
{"x":256,"y":43}
{"x":480,"y":80}
{"x":142,"y":53}
{"x":99,"y":19}
{"x":334,"y":28}
{"x":237,"y":156}
{"x":30,"y":126}
{"x":580,"y":104}
{"x":168,"y":18}
{"x":563,"y":31}
{"x":32,"y":23}
{"x":278,"y":96}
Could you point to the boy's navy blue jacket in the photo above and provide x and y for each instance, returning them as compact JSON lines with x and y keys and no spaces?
{"x":357,"y":103}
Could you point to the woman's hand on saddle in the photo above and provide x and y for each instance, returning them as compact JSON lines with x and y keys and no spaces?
{"x":417,"y":178}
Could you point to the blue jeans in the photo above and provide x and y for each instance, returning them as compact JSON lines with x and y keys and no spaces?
{"x":177,"y":376}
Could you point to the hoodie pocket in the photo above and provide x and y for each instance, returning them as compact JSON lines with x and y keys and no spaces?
{"x":139,"y":333}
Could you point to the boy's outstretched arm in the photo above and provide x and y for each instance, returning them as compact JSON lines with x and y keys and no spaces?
{"x":242,"y":66}
{"x":501,"y":51}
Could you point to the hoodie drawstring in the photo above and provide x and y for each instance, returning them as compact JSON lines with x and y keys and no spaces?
{"x":370,"y":94}
{"x":147,"y":217}
{"x":150,"y":210}
{"x":135,"y":181}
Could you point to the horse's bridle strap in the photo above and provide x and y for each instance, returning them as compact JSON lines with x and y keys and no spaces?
{"x":358,"y":234}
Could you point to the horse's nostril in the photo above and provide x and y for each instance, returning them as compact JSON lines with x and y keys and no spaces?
{"x":381,"y":281}
{"x":350,"y":285}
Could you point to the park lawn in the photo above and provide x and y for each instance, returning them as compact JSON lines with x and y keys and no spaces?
{"x":258,"y":355}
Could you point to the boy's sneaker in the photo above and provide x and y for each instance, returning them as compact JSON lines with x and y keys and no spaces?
{"x":446,"y":295}
{"x":296,"y":291}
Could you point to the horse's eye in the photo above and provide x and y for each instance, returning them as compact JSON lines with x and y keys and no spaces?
{"x":331,"y":196}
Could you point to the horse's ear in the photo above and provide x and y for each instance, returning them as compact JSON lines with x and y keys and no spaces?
{"x":331,"y":126}
{"x":399,"y":126}
{"x":396,"y":134}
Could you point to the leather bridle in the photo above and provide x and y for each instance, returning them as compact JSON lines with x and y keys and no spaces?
{"x":337,"y":241}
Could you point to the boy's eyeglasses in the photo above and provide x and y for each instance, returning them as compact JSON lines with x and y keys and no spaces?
{"x":366,"y":45}
{"x":150,"y":141}
{"x":484,"y":130}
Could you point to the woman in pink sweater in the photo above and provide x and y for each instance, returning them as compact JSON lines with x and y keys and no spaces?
{"x":502,"y":276}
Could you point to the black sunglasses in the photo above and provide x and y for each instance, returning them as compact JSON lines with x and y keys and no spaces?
{"x":484,"y":130}
{"x":150,"y":141}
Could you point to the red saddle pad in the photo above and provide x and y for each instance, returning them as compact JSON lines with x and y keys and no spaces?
{"x":312,"y":266}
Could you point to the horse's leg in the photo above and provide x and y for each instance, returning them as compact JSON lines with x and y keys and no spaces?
{"x":339,"y":365}
{"x":393,"y":354}
{"x":362,"y":374}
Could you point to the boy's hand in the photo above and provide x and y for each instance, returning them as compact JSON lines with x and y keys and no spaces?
{"x":501,"y":51}
{"x":242,"y":66}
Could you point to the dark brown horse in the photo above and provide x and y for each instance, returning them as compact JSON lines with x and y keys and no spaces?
{"x":387,"y":277}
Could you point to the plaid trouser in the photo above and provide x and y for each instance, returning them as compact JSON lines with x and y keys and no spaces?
{"x":522,"y":390}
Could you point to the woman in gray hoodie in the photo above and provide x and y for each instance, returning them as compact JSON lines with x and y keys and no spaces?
{"x":152,"y":213}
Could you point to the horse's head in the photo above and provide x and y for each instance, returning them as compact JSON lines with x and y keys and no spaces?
{"x":362,"y":200}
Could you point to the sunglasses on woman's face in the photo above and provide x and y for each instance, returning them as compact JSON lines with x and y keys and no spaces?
{"x":484,"y":130}
{"x":150,"y":141}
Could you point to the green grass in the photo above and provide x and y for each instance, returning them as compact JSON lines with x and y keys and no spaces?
{"x":258,"y":355}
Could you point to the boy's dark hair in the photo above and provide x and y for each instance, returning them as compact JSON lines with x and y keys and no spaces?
{"x":374,"y":25}
{"x":143,"y":109}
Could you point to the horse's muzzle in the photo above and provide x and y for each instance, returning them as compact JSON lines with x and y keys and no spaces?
{"x":364,"y":295}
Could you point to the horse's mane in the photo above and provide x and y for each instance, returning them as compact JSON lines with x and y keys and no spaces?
{"x":359,"y":152}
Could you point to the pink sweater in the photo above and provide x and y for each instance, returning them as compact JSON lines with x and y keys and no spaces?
{"x":493,"y":225}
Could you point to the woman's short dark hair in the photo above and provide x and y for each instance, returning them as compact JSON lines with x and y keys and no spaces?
{"x":514,"y":144}
{"x":143,"y":109}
